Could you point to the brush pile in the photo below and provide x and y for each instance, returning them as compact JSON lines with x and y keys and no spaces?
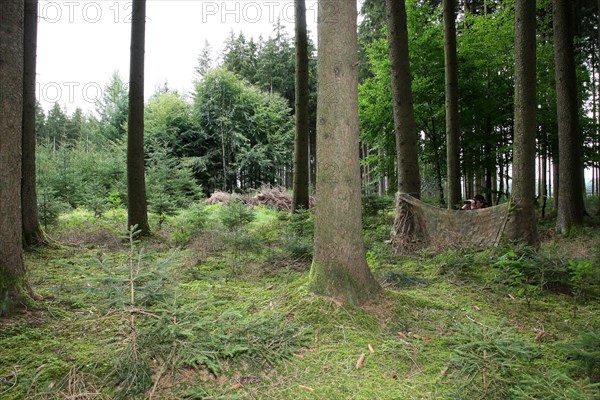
{"x":275,"y":197}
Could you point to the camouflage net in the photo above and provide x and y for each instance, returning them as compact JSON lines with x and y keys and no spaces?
{"x":419,"y":225}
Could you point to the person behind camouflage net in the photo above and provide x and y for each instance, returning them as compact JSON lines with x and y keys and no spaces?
{"x":475,"y":203}
{"x":441,"y":228}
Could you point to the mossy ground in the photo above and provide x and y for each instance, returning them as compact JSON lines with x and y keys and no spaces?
{"x":228,"y":315}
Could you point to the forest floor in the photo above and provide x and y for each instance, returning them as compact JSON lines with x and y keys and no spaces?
{"x":200,"y":311}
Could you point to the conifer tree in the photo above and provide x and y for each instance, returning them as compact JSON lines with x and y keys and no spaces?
{"x":137,"y":207}
{"x":339,"y":267}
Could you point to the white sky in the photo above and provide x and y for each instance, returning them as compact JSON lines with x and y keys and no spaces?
{"x":81,"y":43}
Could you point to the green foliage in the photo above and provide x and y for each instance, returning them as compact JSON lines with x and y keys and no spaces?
{"x":170,"y":185}
{"x":487,"y":361}
{"x":268,"y":64}
{"x":243,"y":134}
{"x":586,"y":350}
{"x":553,"y":385}
{"x":133,"y":373}
{"x":168,"y":124}
{"x":529,"y":272}
{"x":83,"y":174}
{"x":455,"y":262}
{"x":297,"y":241}
{"x":188,"y":222}
{"x":235,"y":336}
{"x":114,"y":200}
{"x":113,"y":108}
{"x":236,"y":215}
{"x":373,"y":204}
{"x":520,"y":272}
{"x":583,"y":277}
{"x":49,"y":207}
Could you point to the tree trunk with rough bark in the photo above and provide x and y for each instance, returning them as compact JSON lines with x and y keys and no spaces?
{"x":137,"y":207}
{"x":570,"y":172}
{"x":339,"y":267}
{"x":32,"y":230}
{"x":409,"y":180}
{"x":523,"y":224}
{"x":452,"y":127}
{"x":12,"y":267}
{"x":300,"y":197}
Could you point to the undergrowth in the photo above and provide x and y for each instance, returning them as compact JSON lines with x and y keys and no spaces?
{"x":215,"y":305}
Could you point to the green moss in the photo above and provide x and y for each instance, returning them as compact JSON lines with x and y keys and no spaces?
{"x":336,"y":281}
{"x":13,"y":292}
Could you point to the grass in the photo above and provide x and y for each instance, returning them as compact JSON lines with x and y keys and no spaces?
{"x":210,"y":321}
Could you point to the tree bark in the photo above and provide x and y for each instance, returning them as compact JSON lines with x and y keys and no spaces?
{"x":12,"y":267}
{"x":136,"y":186}
{"x":32,"y":230}
{"x":300,"y":194}
{"x":339,"y":267}
{"x":570,"y":196}
{"x":409,"y":180}
{"x":523,"y":224}
{"x":452,"y":127}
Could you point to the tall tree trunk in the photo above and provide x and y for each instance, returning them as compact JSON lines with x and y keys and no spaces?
{"x":313,"y":158}
{"x":300,"y":194}
{"x":136,"y":185}
{"x":409,"y":180}
{"x":339,"y":267}
{"x":452,"y":127}
{"x":523,"y":226}
{"x":544,"y":179}
{"x":438,"y":165}
{"x":12,"y":267}
{"x":408,"y":226}
{"x":597,"y":168}
{"x":570,"y":196}
{"x":555,"y":184}
{"x":32,"y":230}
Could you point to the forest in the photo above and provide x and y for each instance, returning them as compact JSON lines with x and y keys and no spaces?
{"x":295,"y":226}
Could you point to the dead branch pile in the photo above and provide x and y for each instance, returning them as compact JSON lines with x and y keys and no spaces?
{"x":218,"y":198}
{"x":275,"y":197}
